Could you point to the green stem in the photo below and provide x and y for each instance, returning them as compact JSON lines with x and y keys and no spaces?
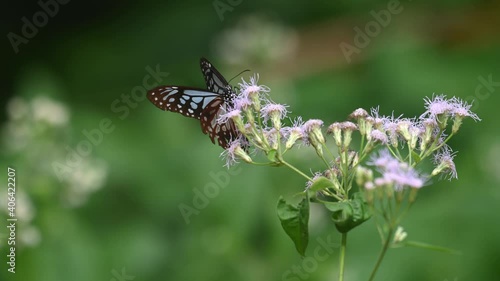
{"x":382,"y":254}
{"x":295,"y":169}
{"x":342,"y":256}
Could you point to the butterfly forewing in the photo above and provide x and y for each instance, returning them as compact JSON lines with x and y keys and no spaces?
{"x":205,"y":105}
{"x":189,"y":102}
{"x":215,"y":81}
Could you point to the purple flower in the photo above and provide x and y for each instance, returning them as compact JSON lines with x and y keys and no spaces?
{"x":273,"y":110}
{"x":312,"y":130}
{"x":462,"y":109}
{"x":378,"y":136}
{"x":294,"y":133}
{"x":436,"y":106}
{"x":233,"y":114}
{"x":242,"y":103}
{"x":378,"y":120}
{"x":358,"y":113}
{"x":443,"y":160}
{"x":312,"y":125}
{"x":235,"y":152}
{"x":247,"y":88}
{"x":395,"y":173}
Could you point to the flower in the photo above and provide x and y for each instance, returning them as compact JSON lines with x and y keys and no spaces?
{"x":348,"y":128}
{"x":360,"y":116}
{"x":399,"y":235}
{"x":336,"y":130}
{"x":293,"y":133}
{"x":235,"y":151}
{"x":391,"y":127}
{"x":443,"y":160}
{"x":50,"y":111}
{"x":395,"y":173}
{"x":274,"y":112}
{"x":272,"y":137}
{"x":378,"y":136}
{"x":436,"y":106}
{"x":461,"y":109}
{"x":253,"y":93}
{"x":234,"y":115}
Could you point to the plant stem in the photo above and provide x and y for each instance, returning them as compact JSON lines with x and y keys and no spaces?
{"x":382,"y":254}
{"x":342,"y":256}
{"x":295,"y":169}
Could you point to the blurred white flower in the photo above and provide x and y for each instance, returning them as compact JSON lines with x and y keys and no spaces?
{"x":30,"y":236}
{"x":50,"y":111}
{"x":25,"y":210}
{"x":17,"y":108}
{"x":85,"y":179}
{"x":256,"y":38}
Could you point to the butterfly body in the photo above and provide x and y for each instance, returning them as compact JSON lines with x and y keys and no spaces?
{"x":204,"y":105}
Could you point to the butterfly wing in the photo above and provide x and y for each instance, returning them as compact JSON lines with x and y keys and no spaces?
{"x":189,"y":102}
{"x":215,"y":81}
{"x":223,"y":132}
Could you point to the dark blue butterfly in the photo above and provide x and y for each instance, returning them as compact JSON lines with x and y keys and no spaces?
{"x":203,"y":105}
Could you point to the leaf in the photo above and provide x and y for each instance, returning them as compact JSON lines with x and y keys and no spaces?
{"x":349,"y":214}
{"x":271,"y":155}
{"x":415,"y":156}
{"x":320,"y":184}
{"x":295,"y":220}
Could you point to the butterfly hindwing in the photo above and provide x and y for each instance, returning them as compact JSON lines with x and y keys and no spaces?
{"x":187,"y":101}
{"x":223,"y":132}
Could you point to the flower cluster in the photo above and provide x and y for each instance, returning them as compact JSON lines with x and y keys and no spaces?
{"x":37,"y":131}
{"x":261,"y":124}
{"x":381,"y":155}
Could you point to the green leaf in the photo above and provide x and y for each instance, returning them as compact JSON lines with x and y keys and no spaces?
{"x":320,"y":184}
{"x":271,"y":155}
{"x":415,"y":156}
{"x":295,"y":220}
{"x":348,"y":214}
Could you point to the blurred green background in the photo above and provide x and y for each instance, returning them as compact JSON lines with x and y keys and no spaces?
{"x":116,"y":210}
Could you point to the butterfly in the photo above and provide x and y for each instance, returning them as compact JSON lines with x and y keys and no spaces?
{"x":204,"y":105}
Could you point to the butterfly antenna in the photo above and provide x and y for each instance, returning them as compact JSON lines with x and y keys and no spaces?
{"x":239,"y":74}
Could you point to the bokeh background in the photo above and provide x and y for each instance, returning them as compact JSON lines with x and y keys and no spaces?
{"x":117,"y":209}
